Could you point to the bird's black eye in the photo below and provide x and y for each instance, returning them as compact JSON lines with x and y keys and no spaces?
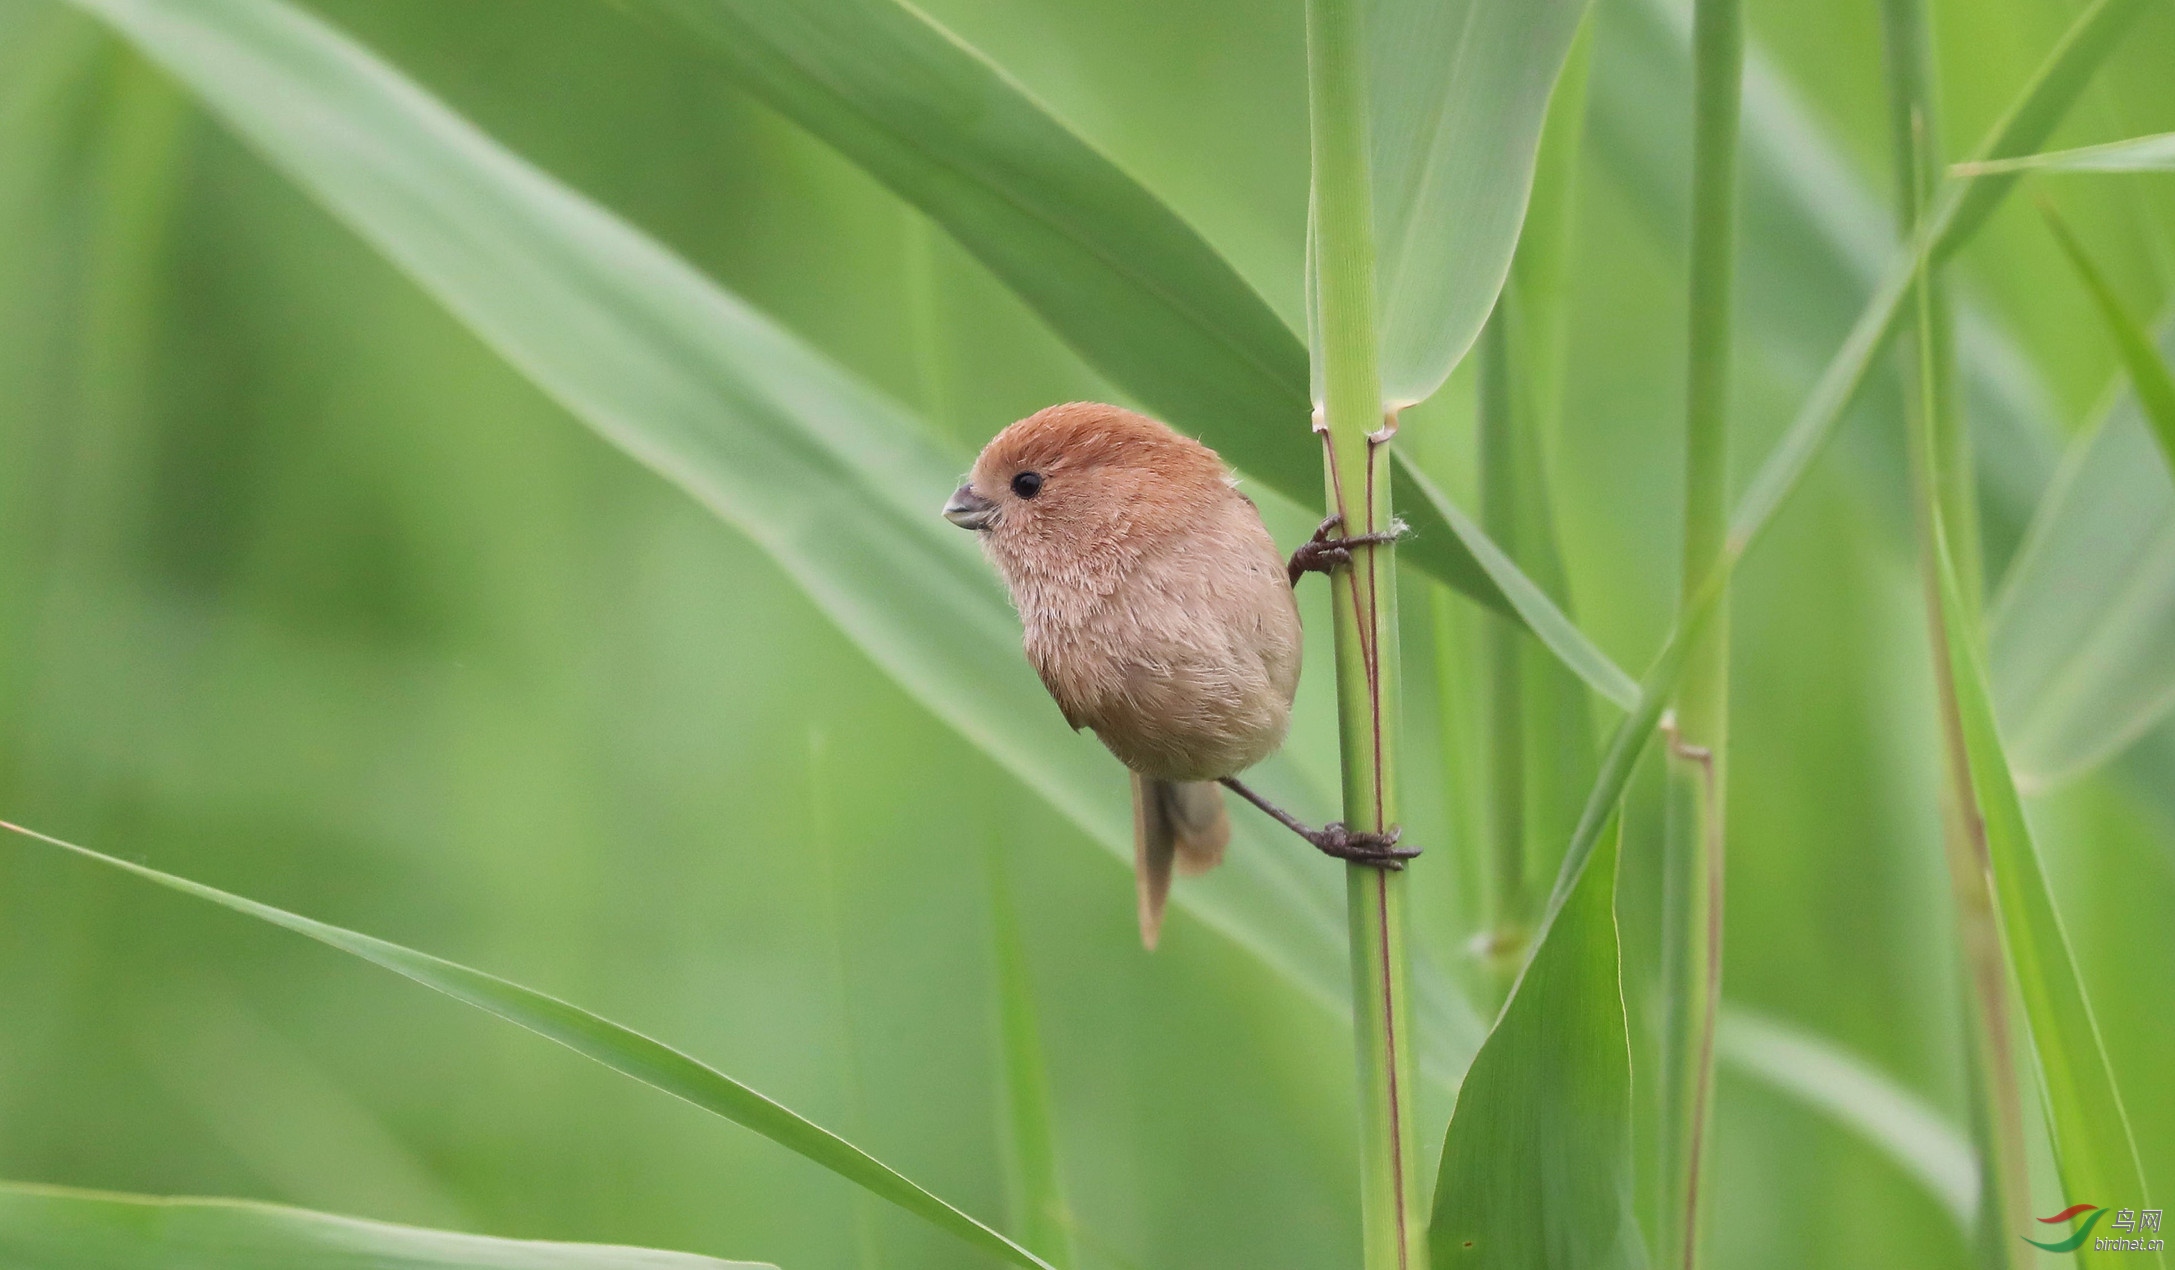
{"x":1027,"y":484}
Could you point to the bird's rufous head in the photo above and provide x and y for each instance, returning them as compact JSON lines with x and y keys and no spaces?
{"x":1068,"y":479}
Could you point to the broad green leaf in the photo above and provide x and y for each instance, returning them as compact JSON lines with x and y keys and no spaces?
{"x":1114,"y":272}
{"x":2138,"y":154}
{"x":59,"y":1228}
{"x":2083,"y":627}
{"x":835,"y":482}
{"x":1858,"y":1095}
{"x":1541,"y":616}
{"x":2093,"y":1144}
{"x":1459,"y":92}
{"x":1536,"y":1169}
{"x":621,"y":1049}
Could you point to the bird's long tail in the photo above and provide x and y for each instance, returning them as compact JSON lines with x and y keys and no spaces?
{"x":1175,"y":823}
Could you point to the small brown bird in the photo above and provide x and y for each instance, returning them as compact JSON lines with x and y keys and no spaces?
{"x":1158,"y":613}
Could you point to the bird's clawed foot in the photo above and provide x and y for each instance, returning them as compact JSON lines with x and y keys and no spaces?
{"x":1322,"y":553}
{"x":1334,"y":839}
{"x":1378,"y":849}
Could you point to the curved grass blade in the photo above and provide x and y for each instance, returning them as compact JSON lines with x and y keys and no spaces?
{"x":2063,"y":76}
{"x":1459,"y":92}
{"x":621,"y":1049}
{"x":2083,"y":628}
{"x":60,"y":1228}
{"x":2149,"y":376}
{"x":2093,"y":1142}
{"x":1536,"y":1168}
{"x":1956,"y":214}
{"x":1858,"y":1095}
{"x":2094,"y":1146}
{"x":2138,"y":154}
{"x":1117,"y":274}
{"x":1540,"y":614}
{"x":1817,"y":239}
{"x":2083,"y":633}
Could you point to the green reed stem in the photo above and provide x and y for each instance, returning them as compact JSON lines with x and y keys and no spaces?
{"x":1944,"y":481}
{"x":1356,"y":438}
{"x":1692,"y":853}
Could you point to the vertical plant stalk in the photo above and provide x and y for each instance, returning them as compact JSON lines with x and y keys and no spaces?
{"x":1943,"y":480}
{"x":1356,"y":436}
{"x":868,"y":1246}
{"x":1699,"y":723}
{"x":1508,"y":915}
{"x":1043,"y":1217}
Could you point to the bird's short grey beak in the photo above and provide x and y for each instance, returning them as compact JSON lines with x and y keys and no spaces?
{"x":969,"y":510}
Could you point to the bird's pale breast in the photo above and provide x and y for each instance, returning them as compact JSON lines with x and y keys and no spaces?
{"x":1185,"y":660}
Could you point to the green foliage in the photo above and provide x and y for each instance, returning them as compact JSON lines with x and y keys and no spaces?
{"x":321,"y":585}
{"x":1536,"y":1170}
{"x":52,"y":1228}
{"x":603,"y":1041}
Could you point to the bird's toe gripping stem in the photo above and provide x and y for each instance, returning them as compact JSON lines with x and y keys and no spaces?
{"x":1378,"y":849}
{"x":1322,"y":553}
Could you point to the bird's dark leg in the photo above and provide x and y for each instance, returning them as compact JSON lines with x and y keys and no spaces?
{"x":1321,"y":553}
{"x":1333,"y":839}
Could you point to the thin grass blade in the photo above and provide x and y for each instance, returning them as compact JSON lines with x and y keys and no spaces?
{"x":1956,"y":214}
{"x":2149,"y":375}
{"x":1548,"y":623}
{"x":2138,"y":154}
{"x":1851,"y":1091}
{"x":2068,"y":68}
{"x":59,"y":1228}
{"x":623,"y":1050}
{"x":2083,"y":651}
{"x":2083,"y":627}
{"x":2093,"y":1142}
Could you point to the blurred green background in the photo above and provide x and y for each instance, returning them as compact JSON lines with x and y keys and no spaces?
{"x":304,"y":593}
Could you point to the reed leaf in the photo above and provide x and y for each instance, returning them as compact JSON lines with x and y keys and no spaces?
{"x":1458,"y":93}
{"x":2083,"y":630}
{"x":1854,"y":1093}
{"x":2138,"y":154}
{"x":2149,"y":375}
{"x":623,"y":1050}
{"x":1536,"y":1168}
{"x":59,"y":1228}
{"x":2093,"y":1142}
